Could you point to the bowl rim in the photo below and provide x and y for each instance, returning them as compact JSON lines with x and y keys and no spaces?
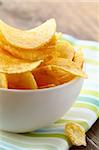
{"x":76,"y":79}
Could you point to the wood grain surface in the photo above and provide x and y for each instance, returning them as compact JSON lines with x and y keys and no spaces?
{"x":77,"y":18}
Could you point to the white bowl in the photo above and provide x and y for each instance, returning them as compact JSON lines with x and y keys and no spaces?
{"x":27,"y":110}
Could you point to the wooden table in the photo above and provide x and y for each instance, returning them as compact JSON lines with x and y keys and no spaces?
{"x":80,"y":19}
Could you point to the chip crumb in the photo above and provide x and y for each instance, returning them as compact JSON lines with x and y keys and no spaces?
{"x":75,"y":133}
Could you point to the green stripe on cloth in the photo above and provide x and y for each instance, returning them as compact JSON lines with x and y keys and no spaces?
{"x":92,"y":62}
{"x":90,"y":92}
{"x":2,"y":148}
{"x":85,"y":105}
{"x":85,"y":111}
{"x":46,"y":135}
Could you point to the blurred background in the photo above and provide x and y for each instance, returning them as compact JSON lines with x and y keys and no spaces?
{"x":77,"y":18}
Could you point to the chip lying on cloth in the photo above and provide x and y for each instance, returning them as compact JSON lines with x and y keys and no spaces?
{"x":39,"y":58}
{"x":75,"y":133}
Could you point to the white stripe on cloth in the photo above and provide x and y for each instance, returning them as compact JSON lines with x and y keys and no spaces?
{"x":81,"y":113}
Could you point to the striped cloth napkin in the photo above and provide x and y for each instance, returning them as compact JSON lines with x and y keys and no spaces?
{"x":85,"y":111}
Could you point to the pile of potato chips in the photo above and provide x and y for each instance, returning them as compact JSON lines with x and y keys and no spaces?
{"x":37,"y":58}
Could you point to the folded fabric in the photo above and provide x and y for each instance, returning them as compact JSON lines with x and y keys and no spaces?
{"x":85,"y":111}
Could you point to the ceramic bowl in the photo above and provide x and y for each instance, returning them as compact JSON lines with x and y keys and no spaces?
{"x":27,"y":110}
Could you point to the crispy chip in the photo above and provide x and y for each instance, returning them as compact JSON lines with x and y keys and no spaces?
{"x":66,"y":78}
{"x":29,"y":39}
{"x":21,"y":81}
{"x":65,"y":49}
{"x":3,"y":81}
{"x":47,"y":86}
{"x":32,"y":55}
{"x":67,"y":65}
{"x":43,"y":78}
{"x":9,"y":64}
{"x":60,"y":75}
{"x":75,"y":71}
{"x":75,"y":133}
{"x":79,"y":58}
{"x":51,"y":74}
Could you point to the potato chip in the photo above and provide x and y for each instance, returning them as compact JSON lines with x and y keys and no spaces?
{"x":9,"y":64}
{"x":42,"y":76}
{"x":60,"y":75}
{"x":66,"y":78}
{"x":29,"y":39}
{"x":21,"y":81}
{"x":79,"y":58}
{"x":64,"y":49}
{"x":3,"y":80}
{"x":67,"y":65}
{"x":75,"y":71}
{"x":47,"y":86}
{"x":32,"y":55}
{"x":75,"y":133}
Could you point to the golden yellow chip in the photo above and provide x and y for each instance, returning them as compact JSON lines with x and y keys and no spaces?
{"x":29,"y":39}
{"x":64,"y":49}
{"x":33,"y":55}
{"x":3,"y":80}
{"x":62,"y":76}
{"x":67,"y":65}
{"x":43,"y":78}
{"x":21,"y":81}
{"x":79,"y":58}
{"x":47,"y":86}
{"x":75,"y":71}
{"x":75,"y":133}
{"x":9,"y":64}
{"x":66,"y":78}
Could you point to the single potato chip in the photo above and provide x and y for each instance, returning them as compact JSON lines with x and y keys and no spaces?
{"x":9,"y":64}
{"x":29,"y":39}
{"x":79,"y":58}
{"x":60,"y":75}
{"x":32,"y":55}
{"x":3,"y":81}
{"x":75,"y":71}
{"x":66,"y":78}
{"x":47,"y":86}
{"x":67,"y":65}
{"x":75,"y":133}
{"x":43,"y":78}
{"x":21,"y":81}
{"x":65,"y":49}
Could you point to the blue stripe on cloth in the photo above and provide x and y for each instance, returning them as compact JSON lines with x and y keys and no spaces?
{"x":88,"y":99}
